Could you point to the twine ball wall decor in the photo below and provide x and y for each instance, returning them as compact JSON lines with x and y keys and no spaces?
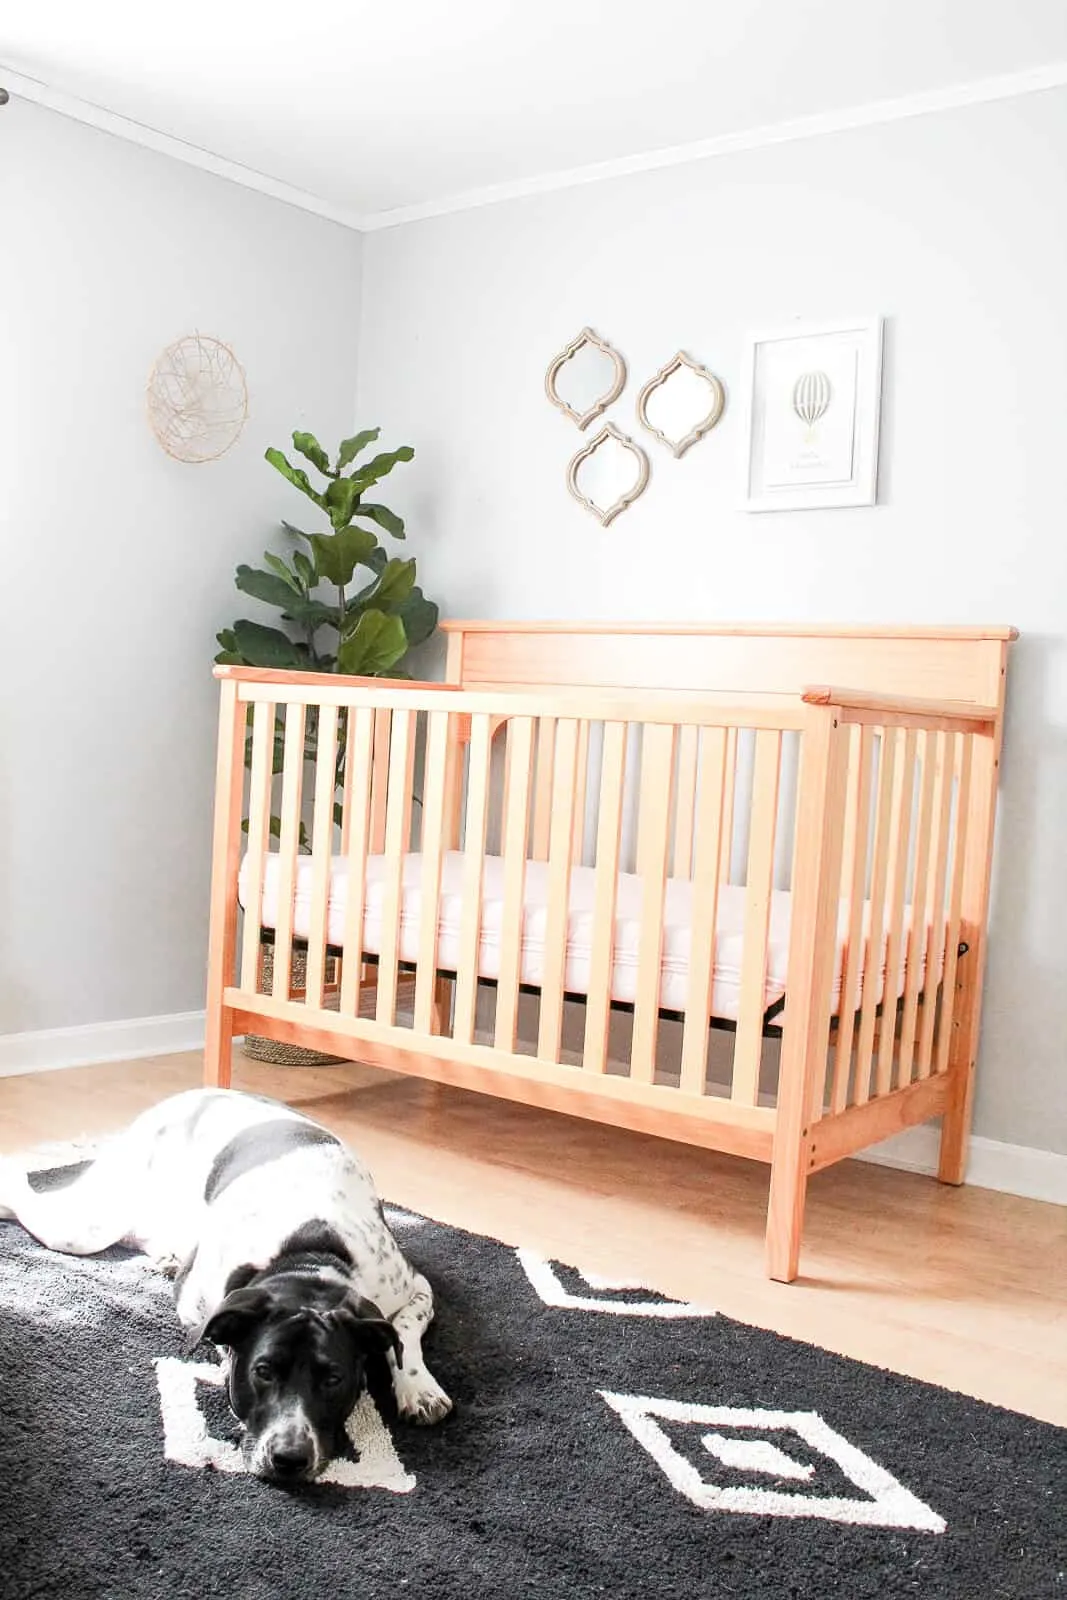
{"x":197,"y":399}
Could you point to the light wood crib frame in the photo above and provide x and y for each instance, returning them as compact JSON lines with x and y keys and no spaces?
{"x":771,"y":843}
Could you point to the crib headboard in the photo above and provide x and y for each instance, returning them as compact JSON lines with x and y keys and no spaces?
{"x":941,"y":663}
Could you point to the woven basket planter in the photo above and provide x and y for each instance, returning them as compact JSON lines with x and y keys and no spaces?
{"x":273,"y":1050}
{"x":295,"y":1055}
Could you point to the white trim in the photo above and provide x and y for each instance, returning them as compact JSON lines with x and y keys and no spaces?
{"x":1009,"y":1168}
{"x":67,"y":105}
{"x":981,"y":92}
{"x":51,"y":1049}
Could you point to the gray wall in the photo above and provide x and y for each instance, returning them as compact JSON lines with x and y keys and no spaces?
{"x":955,"y":228}
{"x":117,"y":563}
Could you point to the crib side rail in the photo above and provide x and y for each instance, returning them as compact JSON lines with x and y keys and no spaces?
{"x":641,"y":789}
{"x":913,"y":869}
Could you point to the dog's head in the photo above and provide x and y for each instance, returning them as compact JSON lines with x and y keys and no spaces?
{"x":298,"y":1366}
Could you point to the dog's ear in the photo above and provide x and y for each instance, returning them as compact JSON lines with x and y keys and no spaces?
{"x":233,"y":1321}
{"x":372,"y":1332}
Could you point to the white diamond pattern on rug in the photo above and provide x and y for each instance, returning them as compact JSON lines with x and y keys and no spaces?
{"x":187,"y":1442}
{"x":542,"y":1274}
{"x":882,"y":1502}
{"x":399,"y":1219}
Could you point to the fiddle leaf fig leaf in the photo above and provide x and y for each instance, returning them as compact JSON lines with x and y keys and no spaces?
{"x":375,"y":644}
{"x":350,"y":448}
{"x":337,"y":555}
{"x":295,"y":475}
{"x":265,"y":586}
{"x":382,"y":516}
{"x":309,"y":447}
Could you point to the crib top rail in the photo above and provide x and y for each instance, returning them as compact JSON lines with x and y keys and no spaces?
{"x":947,"y":663}
{"x":682,"y":707}
{"x":785,"y":630}
{"x":885,"y":710}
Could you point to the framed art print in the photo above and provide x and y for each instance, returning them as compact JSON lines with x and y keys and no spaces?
{"x":811,"y":401}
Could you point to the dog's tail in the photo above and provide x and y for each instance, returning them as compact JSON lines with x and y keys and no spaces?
{"x":78,"y":1218}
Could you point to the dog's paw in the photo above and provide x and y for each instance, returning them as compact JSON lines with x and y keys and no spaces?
{"x":420,"y":1399}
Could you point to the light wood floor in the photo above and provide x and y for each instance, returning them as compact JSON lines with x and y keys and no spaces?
{"x":964,"y":1287}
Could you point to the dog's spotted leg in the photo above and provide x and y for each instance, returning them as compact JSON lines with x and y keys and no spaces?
{"x":419,"y":1396}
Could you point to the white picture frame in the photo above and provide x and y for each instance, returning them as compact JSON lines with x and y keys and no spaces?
{"x":811,"y":400}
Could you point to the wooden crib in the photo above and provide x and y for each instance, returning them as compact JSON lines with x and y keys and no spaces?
{"x":726,"y":885}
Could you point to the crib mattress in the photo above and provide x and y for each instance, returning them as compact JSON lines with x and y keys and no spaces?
{"x":674,"y":966}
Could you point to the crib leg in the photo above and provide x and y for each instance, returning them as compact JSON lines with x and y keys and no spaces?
{"x":956,"y":1127}
{"x":218,"y":1048}
{"x":785,"y":1212}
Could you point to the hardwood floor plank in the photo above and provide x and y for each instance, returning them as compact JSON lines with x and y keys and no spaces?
{"x":962,"y":1287}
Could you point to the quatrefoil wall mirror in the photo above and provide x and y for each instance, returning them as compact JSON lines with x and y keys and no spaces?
{"x":585,"y":378}
{"x":681,"y":403}
{"x":608,"y":475}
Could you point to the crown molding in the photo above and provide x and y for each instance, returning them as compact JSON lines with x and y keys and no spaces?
{"x":23,"y":87}
{"x":982,"y":91}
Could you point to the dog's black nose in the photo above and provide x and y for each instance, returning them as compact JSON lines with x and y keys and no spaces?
{"x":292,"y":1461}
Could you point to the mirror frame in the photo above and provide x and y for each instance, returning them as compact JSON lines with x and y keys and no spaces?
{"x":678,"y":447}
{"x":607,"y":514}
{"x":610,"y":395}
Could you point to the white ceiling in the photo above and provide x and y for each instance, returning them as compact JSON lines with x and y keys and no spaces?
{"x":404,"y":104}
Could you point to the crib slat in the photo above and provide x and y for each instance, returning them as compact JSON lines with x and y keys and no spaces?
{"x":684,"y":811}
{"x":550,"y":1027}
{"x":470,"y":924}
{"x":458,"y":732}
{"x":396,"y":843}
{"x":605,"y":891}
{"x":916,"y":943}
{"x":542,"y":809}
{"x":321,"y":852}
{"x":288,"y":847}
{"x":759,"y":883}
{"x":872,"y":959}
{"x":380,"y":784}
{"x":959,"y":857}
{"x":707,"y":871}
{"x":434,"y":822}
{"x":854,"y":884}
{"x":936,"y":915}
{"x":903,"y":798}
{"x":653,"y":855}
{"x":519,"y":757}
{"x":581,"y":774}
{"x":258,"y":838}
{"x":495,"y":726}
{"x":360,"y":755}
{"x":729,"y":785}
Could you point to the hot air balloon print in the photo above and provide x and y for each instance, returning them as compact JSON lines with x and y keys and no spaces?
{"x":812,"y":393}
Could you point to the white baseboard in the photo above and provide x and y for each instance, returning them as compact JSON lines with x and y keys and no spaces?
{"x":51,"y":1049}
{"x":1010,"y":1168}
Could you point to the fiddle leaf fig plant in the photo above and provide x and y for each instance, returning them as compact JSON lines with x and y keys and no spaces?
{"x":347,"y":605}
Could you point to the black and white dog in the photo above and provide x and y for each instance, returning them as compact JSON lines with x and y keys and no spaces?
{"x":280,"y":1252}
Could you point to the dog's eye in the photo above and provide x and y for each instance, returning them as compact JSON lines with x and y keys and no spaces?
{"x":263,"y":1370}
{"x":331,"y":1379}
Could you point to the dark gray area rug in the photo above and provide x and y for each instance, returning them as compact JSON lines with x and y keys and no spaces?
{"x":605,"y":1442}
